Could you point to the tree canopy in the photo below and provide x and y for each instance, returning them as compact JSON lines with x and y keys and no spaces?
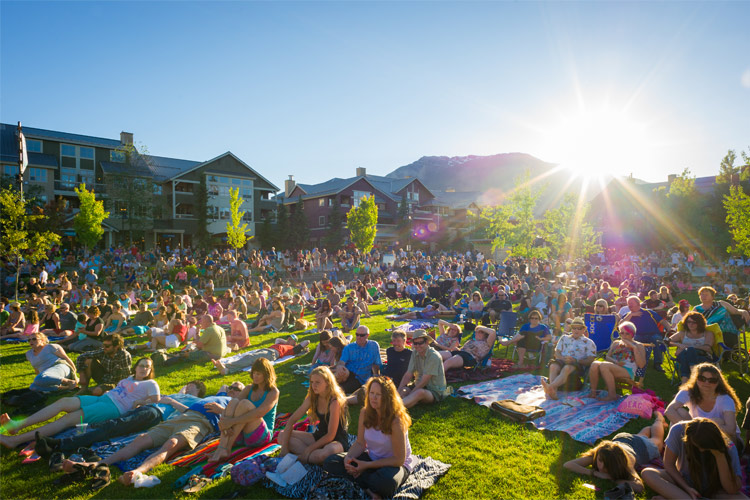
{"x":362,"y":221}
{"x":236,"y":231}
{"x":88,"y":221}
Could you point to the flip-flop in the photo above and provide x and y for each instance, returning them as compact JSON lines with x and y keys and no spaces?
{"x":102,"y":477}
{"x":31,"y":459}
{"x":28,"y":451}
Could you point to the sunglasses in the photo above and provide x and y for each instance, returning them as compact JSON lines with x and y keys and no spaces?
{"x":708,"y":380}
{"x":578,"y":327}
{"x":234,"y":388}
{"x":361,"y":335}
{"x":421,"y":342}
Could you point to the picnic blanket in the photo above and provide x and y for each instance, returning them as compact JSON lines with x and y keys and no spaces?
{"x":415,"y":324}
{"x":584,"y":419}
{"x":425,"y":473}
{"x":498,"y":368}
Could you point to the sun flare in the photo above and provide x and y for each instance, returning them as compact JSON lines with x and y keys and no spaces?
{"x":591,"y":144}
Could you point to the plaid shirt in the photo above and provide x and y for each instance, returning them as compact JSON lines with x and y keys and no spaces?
{"x":116,"y":367}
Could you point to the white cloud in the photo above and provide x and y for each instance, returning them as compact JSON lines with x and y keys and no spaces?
{"x":746,"y":78}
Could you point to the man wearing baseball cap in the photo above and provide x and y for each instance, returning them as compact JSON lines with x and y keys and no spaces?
{"x":424,"y":380}
{"x":573,"y":354}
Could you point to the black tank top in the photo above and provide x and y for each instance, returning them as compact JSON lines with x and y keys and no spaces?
{"x":322,"y":430}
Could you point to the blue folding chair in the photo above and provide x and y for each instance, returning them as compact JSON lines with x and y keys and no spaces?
{"x":601,"y":328}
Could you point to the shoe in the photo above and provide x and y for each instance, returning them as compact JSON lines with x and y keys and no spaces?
{"x":45,"y":446}
{"x":56,"y":461}
{"x":89,"y":455}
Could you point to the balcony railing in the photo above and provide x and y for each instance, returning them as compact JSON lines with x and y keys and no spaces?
{"x":69,"y":187}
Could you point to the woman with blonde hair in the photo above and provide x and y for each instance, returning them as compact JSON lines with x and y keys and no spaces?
{"x":380,"y":460}
{"x":54,"y":369}
{"x":325,"y":404}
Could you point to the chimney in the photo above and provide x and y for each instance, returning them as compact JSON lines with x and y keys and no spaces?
{"x":671,"y":178}
{"x":361,"y":171}
{"x":289,"y":186}
{"x":126,"y":138}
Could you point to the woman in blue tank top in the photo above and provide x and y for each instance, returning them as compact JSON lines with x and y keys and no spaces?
{"x":249,"y":420}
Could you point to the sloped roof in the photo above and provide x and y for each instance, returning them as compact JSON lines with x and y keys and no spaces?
{"x":39,"y":133}
{"x":164,"y":168}
{"x":389,"y":187}
{"x":8,"y":144}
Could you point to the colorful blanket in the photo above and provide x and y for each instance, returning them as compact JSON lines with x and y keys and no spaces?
{"x":583,"y":418}
{"x":498,"y":368}
{"x":425,"y":473}
{"x":18,"y":341}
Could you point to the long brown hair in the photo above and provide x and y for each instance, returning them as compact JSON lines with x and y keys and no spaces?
{"x":333,"y":392}
{"x":699,"y":319}
{"x":391,"y":407}
{"x":723,"y":387}
{"x":704,"y":434}
{"x":619,"y":464}
{"x":265,"y":367}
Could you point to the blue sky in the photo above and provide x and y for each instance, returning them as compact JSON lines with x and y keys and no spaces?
{"x":317,"y":89}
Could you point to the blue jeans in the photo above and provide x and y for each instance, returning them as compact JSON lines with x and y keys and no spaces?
{"x":49,"y":380}
{"x":652,"y":338}
{"x":690,"y":357}
{"x":137,"y":420}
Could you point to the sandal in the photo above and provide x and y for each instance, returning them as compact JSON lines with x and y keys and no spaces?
{"x":102,"y":476}
{"x":196,"y":483}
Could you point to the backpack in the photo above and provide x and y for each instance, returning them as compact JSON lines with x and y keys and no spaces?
{"x":516,"y":411}
{"x":250,"y":471}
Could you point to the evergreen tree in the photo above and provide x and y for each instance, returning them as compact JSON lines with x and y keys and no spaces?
{"x":88,"y":221}
{"x":333,"y":239}
{"x":282,"y":228}
{"x":299,"y":236}
{"x":265,"y":233}
{"x":203,"y":239}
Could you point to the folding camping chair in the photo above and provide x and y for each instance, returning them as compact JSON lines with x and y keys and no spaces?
{"x":601,"y":329}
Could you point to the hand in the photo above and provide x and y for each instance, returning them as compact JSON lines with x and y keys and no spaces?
{"x":215,"y":408}
{"x":166,"y":400}
{"x":694,"y":494}
{"x":569,"y":359}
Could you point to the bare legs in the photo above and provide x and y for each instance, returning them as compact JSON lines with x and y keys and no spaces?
{"x":557,"y":378}
{"x":609,"y":372}
{"x":74,"y":415}
{"x":299,"y":442}
{"x":235,"y":408}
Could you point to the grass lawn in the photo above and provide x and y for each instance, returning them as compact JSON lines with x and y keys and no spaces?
{"x":490,"y":457}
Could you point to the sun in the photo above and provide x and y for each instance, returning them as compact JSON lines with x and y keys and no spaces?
{"x":593,"y":143}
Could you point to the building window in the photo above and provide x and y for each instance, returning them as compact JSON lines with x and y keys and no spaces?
{"x":412,"y":196}
{"x":358,"y":195}
{"x":247,"y":193}
{"x":10,"y":170}
{"x":78,"y":157}
{"x":38,"y":174}
{"x":330,"y":202}
{"x":157,"y":189}
{"x":321,"y":202}
{"x":322,"y":220}
{"x":117,"y":156}
{"x":33,"y":146}
{"x":248,"y":217}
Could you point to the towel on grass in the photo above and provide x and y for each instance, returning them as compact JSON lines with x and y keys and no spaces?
{"x":249,"y":368}
{"x":498,"y":368}
{"x":425,"y":473}
{"x":584,"y":419}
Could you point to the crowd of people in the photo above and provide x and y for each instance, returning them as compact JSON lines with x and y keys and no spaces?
{"x":209,"y":305}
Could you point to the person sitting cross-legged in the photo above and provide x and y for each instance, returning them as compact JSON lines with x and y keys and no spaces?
{"x":573,"y":354}
{"x":424,"y":380}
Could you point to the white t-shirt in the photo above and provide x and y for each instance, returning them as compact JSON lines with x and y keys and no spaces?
{"x":676,"y":318}
{"x":129,"y":390}
{"x":723,"y":404}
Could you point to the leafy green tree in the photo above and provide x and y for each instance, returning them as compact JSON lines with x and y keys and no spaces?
{"x":363,"y":222}
{"x":282,"y":228}
{"x":737,"y":205}
{"x":683,"y":186}
{"x":203,"y":239}
{"x":333,"y":239}
{"x":299,"y":236}
{"x":18,"y":240}
{"x":32,"y":193}
{"x":88,"y":221}
{"x":727,"y":168}
{"x":567,"y":231}
{"x":513,"y":225}
{"x":236,"y":231}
